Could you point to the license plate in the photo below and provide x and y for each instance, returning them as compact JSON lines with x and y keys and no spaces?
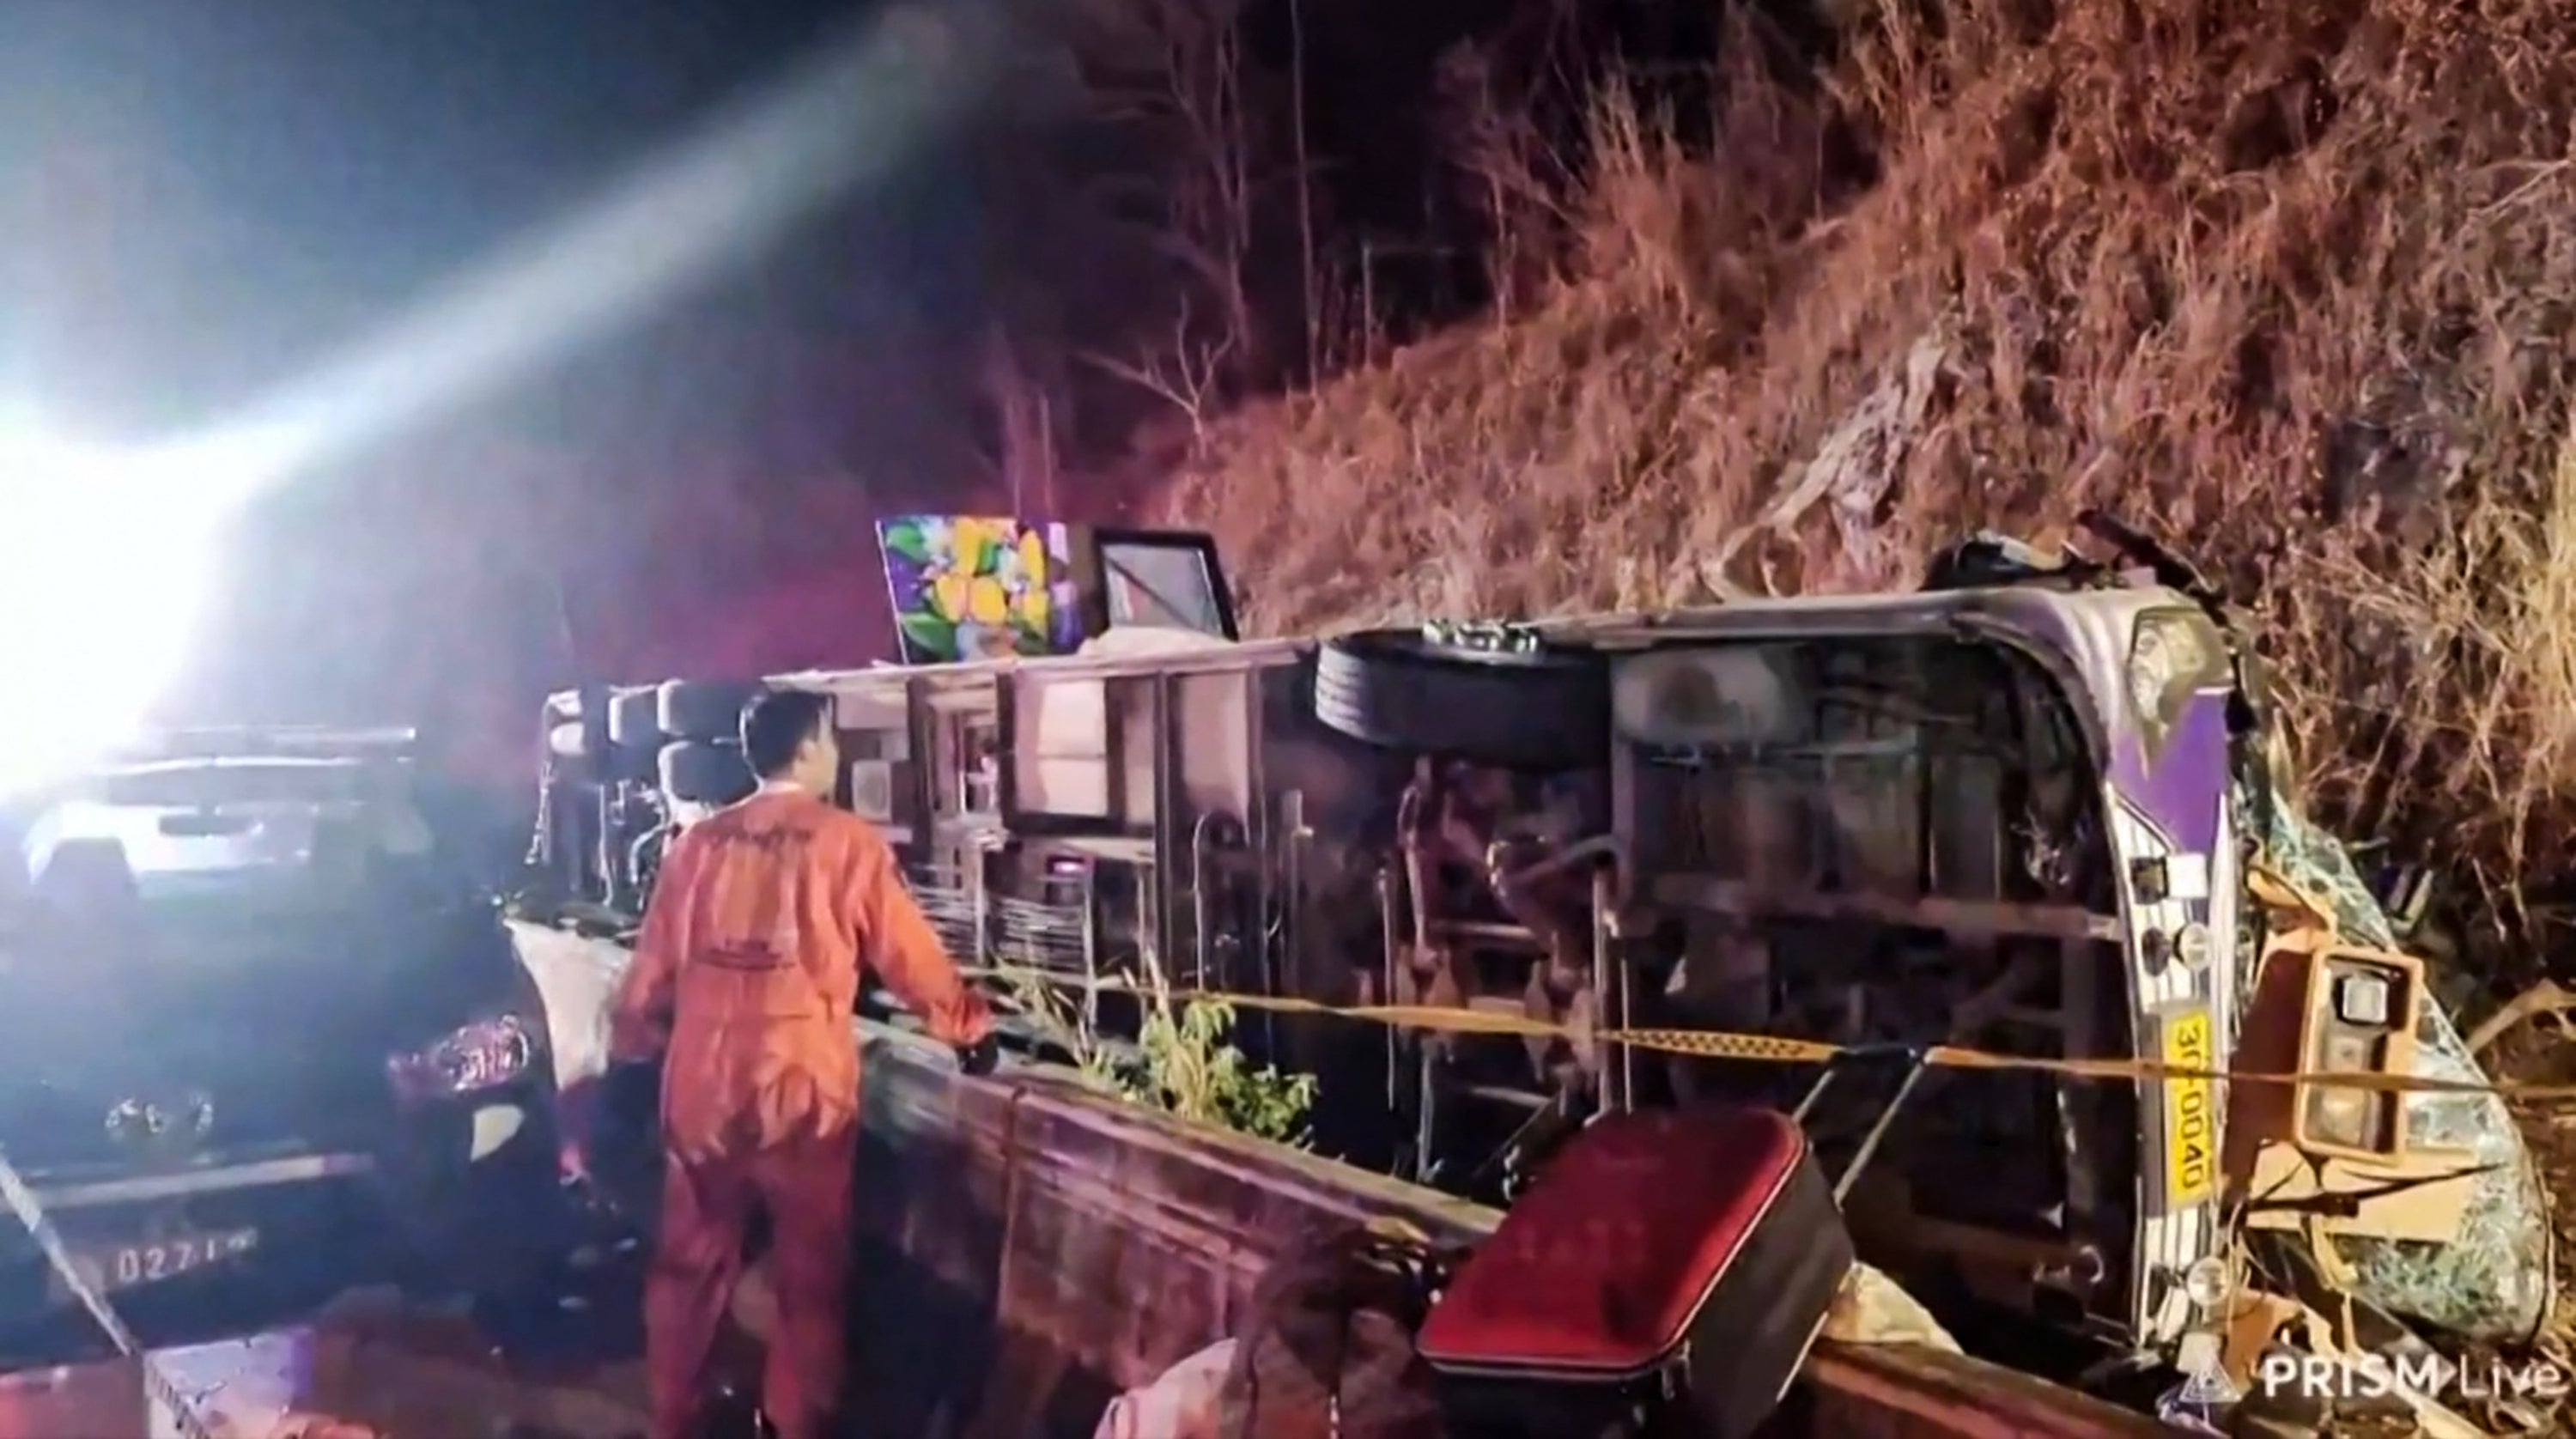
{"x":128,"y":1266}
{"x":2191,"y":1113}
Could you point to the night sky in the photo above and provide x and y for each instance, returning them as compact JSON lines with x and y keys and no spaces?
{"x":206,"y":199}
{"x":208,"y":194}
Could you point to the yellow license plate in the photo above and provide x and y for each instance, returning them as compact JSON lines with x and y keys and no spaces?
{"x":2191,"y":1113}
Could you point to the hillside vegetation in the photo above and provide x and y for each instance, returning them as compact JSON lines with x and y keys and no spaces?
{"x":2288,"y":285}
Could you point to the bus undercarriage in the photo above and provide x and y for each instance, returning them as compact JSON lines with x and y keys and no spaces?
{"x":2006,"y":814}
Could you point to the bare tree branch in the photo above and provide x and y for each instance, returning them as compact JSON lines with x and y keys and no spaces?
{"x":1186,"y":372}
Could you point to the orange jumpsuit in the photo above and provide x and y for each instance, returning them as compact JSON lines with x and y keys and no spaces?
{"x":748,"y":970}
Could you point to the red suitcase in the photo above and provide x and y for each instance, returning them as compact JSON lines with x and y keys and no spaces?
{"x":1666,"y":1274}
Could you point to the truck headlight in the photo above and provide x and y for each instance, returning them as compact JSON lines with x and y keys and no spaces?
{"x":2361,"y":1010}
{"x":477,"y":1056}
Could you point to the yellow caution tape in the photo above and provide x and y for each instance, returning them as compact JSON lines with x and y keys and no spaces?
{"x":1763,"y":1048}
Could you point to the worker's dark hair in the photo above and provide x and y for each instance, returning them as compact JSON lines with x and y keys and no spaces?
{"x":776,"y":725}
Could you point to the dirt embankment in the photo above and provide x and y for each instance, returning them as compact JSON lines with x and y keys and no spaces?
{"x":2293,"y":285}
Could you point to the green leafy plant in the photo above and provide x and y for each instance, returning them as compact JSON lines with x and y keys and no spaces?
{"x":1070,"y":1026}
{"x":1182,"y":1062}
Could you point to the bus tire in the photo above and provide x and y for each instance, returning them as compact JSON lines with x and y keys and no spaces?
{"x":569,"y":741}
{"x":708,"y":774}
{"x":1541,"y":709}
{"x":631,"y":721}
{"x":564,"y":741}
{"x":705,"y":711}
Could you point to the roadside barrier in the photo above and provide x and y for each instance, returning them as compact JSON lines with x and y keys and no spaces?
{"x":1762,"y":1048}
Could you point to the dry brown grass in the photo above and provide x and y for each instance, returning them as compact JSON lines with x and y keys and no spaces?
{"x":2289,"y":284}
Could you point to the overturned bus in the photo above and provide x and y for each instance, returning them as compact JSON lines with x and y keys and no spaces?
{"x":2020,"y":811}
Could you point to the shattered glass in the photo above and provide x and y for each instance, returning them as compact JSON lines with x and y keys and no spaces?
{"x":2493,"y":1282}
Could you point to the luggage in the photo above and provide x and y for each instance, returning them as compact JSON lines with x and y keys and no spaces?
{"x":1666,"y":1274}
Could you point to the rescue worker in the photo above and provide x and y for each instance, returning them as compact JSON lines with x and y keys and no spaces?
{"x":746,"y":977}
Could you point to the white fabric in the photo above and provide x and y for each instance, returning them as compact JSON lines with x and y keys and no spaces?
{"x":1182,"y":1404}
{"x":1874,"y":1309}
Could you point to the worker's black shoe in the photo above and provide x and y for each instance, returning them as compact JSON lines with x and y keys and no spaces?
{"x":980,"y":1057}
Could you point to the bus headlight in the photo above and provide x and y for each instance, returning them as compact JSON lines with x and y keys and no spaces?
{"x":2360,"y":1021}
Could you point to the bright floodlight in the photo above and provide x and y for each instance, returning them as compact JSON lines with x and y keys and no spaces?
{"x":104,"y":564}
{"x":105,"y":557}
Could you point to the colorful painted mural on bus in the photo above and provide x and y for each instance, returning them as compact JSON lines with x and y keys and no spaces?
{"x":972,"y":587}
